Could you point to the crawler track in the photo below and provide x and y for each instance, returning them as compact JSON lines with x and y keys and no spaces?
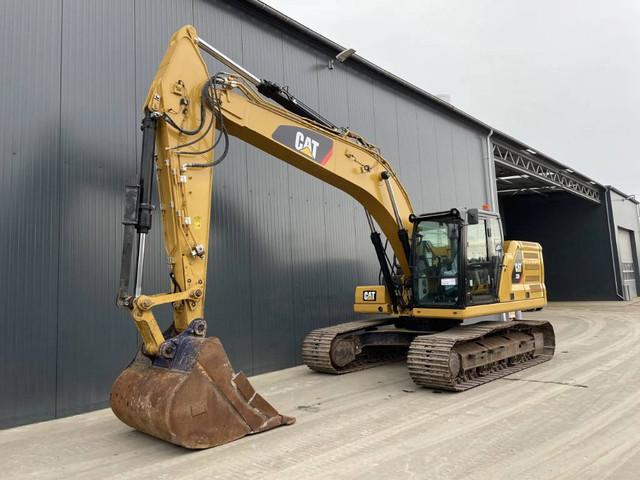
{"x":468,"y":356}
{"x":455,"y":360}
{"x":317,"y":345}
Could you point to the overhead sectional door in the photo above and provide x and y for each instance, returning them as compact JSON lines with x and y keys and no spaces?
{"x":627,"y":264}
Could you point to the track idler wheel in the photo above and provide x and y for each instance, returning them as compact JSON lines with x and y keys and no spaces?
{"x":189,"y":394}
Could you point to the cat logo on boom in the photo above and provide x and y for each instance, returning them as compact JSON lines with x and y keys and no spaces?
{"x":312,"y":145}
{"x":306,"y":145}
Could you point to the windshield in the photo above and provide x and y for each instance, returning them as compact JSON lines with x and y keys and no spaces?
{"x":435,"y":275}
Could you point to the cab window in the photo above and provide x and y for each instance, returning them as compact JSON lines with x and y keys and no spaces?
{"x":435,"y":275}
{"x":484,"y":258}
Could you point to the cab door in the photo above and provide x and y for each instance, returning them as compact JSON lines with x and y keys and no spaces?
{"x":483,"y":260}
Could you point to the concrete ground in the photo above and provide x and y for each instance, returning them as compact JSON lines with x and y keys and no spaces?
{"x":577,"y":416}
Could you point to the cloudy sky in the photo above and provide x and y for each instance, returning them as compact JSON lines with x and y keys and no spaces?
{"x":561,"y":75}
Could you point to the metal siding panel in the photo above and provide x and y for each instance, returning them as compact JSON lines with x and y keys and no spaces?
{"x":269,"y":217}
{"x":29,"y":172}
{"x":625,"y":212}
{"x":307,"y":207}
{"x":479,"y":176}
{"x":461,"y":166}
{"x":430,"y":168}
{"x":362,"y":120}
{"x":230,"y":267}
{"x":412,"y":169}
{"x":98,"y":151}
{"x":340,"y":235}
{"x":449,"y":196}
{"x":385,"y":123}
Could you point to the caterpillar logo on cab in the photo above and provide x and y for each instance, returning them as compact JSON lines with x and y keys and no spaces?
{"x":516,"y":274}
{"x":369,"y":295}
{"x":310,"y":144}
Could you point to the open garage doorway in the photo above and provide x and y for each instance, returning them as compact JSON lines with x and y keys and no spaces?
{"x":553,"y":205}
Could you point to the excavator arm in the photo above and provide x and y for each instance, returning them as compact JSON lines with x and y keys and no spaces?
{"x":186,"y":113}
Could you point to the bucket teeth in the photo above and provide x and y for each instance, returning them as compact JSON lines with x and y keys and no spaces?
{"x":193,"y":399}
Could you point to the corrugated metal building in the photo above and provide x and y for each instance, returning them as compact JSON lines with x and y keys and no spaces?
{"x":287,"y":250}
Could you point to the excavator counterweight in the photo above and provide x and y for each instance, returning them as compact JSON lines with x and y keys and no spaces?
{"x":449,"y":268}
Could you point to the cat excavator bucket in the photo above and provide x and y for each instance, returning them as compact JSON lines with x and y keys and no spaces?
{"x":190,"y":395}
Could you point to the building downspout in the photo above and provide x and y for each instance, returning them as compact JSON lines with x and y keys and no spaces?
{"x":491,"y":180}
{"x":608,"y":207}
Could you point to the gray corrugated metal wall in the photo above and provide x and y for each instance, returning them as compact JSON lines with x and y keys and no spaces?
{"x":287,"y":250}
{"x":29,"y":215}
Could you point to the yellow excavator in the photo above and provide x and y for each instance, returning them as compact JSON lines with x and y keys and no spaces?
{"x":449,"y":299}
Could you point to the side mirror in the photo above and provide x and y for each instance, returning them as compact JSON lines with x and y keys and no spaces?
{"x":472,"y":216}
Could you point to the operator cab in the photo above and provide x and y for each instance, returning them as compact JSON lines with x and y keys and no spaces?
{"x":457,"y":258}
